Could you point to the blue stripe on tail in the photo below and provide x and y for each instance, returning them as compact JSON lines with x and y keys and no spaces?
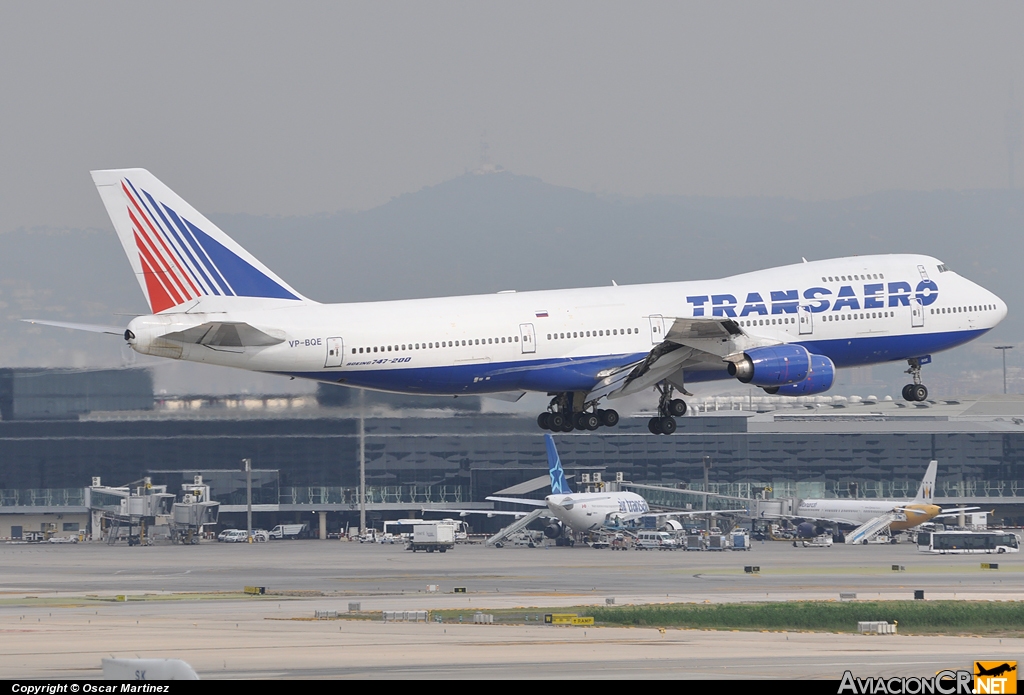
{"x":559,"y":486}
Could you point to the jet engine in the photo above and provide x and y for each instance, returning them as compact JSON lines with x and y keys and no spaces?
{"x":772,"y":366}
{"x":809,"y":530}
{"x":553,"y":530}
{"x":819,"y":380}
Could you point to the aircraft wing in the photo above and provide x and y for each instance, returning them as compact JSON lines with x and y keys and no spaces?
{"x":466,"y":512}
{"x":828,"y":519}
{"x":707,"y":512}
{"x":688,"y":342}
{"x":956,"y":511}
{"x":518,"y":500}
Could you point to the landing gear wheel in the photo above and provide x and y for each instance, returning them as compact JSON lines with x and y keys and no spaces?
{"x":590,"y":421}
{"x":667,"y":425}
{"x":567,"y":425}
{"x":544,"y":420}
{"x":609,"y":418}
{"x":654,"y":425}
{"x":556,"y":421}
{"x":915,"y":391}
{"x":677,"y":407}
{"x":579,"y":421}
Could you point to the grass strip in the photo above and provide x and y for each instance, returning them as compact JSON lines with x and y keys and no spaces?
{"x":913,"y":616}
{"x":1004,"y":618}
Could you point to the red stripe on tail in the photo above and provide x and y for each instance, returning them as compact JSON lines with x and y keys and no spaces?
{"x":170,"y":253}
{"x":158,"y":297}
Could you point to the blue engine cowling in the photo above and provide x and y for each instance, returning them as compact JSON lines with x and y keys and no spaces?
{"x":772,"y":366}
{"x":820,"y":379}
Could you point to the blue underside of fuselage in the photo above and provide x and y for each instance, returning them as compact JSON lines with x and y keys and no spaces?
{"x":580,"y":374}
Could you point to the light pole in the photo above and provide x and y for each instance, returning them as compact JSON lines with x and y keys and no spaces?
{"x":1004,"y":348}
{"x":247,"y":467}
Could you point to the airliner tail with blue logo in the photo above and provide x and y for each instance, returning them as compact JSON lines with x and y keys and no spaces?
{"x":785,"y":330}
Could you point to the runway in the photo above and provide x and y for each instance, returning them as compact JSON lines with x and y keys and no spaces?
{"x":54,"y":629}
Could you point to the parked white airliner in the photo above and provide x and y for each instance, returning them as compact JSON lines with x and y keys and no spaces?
{"x":785,"y":329}
{"x":581,"y":511}
{"x":875,"y":515}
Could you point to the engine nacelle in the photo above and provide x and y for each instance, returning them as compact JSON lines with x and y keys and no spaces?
{"x":553,"y":530}
{"x":809,"y":530}
{"x":821,"y":378}
{"x":772,"y":366}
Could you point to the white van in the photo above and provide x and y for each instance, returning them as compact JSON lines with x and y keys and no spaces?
{"x":655,"y":540}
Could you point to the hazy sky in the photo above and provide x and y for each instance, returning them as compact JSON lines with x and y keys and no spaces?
{"x":295,"y":108}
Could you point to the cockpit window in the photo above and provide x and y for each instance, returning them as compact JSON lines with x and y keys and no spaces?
{"x":943,"y":268}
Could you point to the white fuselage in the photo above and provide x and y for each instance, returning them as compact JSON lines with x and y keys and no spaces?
{"x":860,"y":310}
{"x":857,"y":512}
{"x":590,"y":511}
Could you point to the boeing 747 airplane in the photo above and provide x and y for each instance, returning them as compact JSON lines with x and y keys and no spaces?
{"x":785,"y":330}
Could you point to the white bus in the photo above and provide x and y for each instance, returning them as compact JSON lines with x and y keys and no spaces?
{"x":962,"y":542}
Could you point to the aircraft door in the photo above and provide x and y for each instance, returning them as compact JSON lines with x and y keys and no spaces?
{"x":916,"y":313}
{"x":806,"y":319}
{"x":527,"y":337}
{"x":335,"y":352}
{"x":657,"y":329}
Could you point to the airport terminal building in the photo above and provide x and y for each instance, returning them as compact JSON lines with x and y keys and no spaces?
{"x":306,"y":455}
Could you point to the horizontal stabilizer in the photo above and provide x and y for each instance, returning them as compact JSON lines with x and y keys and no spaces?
{"x":90,"y":327}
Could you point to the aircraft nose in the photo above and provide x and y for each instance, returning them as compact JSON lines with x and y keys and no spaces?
{"x":1001,"y":308}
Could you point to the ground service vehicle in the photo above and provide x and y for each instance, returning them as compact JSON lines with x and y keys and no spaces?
{"x":655,"y":540}
{"x":282,"y":531}
{"x":431,"y":537}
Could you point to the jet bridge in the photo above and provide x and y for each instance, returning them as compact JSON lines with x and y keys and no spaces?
{"x":669,"y":498}
{"x":135,"y":511}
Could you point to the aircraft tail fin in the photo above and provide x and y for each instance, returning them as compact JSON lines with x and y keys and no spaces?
{"x":926,"y":491}
{"x":559,"y":485}
{"x":177,"y":254}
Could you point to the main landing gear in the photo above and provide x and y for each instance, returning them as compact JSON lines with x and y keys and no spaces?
{"x":568,"y":412}
{"x":669,"y":409}
{"x":915,"y":391}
